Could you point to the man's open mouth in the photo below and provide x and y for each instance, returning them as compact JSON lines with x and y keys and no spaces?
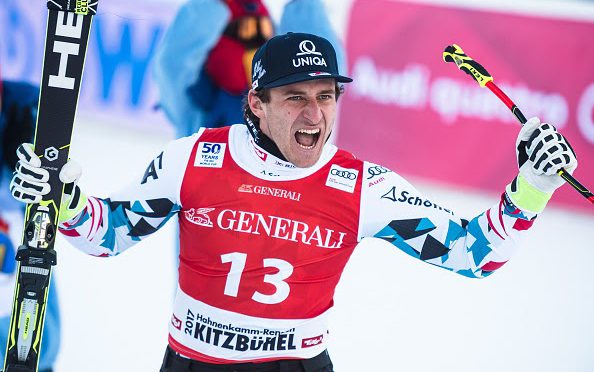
{"x":307,"y":138}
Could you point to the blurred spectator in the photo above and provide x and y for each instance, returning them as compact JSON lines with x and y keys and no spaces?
{"x":202,"y":67}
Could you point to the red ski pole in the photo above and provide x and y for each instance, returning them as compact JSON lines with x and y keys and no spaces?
{"x":453,"y":53}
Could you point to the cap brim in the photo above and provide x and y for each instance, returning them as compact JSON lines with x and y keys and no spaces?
{"x":305,"y":76}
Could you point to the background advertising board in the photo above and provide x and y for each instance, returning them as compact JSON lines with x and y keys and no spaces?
{"x":117,"y":77}
{"x":427,"y":119}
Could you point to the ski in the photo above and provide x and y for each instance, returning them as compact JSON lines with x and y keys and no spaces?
{"x":67,"y":35}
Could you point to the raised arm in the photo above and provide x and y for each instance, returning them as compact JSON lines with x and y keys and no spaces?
{"x":393,"y":210}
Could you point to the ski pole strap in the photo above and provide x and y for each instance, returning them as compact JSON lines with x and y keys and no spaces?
{"x":453,"y":53}
{"x":82,"y":7}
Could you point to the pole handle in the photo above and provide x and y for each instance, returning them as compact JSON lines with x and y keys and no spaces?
{"x":453,"y":53}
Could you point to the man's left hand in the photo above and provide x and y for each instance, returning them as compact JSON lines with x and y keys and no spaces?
{"x":541,"y":152}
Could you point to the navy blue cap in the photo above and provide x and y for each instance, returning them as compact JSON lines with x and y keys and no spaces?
{"x":294,"y":57}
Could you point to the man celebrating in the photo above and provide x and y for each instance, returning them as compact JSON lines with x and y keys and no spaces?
{"x":270,"y":213}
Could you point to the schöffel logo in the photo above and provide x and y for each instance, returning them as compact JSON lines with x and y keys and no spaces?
{"x":264,"y":225}
{"x":344,"y":179}
{"x":313,"y":341}
{"x":407,"y":197}
{"x":304,"y":58}
{"x":199,"y":216}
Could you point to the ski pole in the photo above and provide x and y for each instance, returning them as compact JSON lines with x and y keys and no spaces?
{"x":453,"y":53}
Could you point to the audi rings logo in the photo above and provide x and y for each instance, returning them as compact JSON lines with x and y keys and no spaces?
{"x":343,"y":174}
{"x":341,"y":178}
{"x":307,"y":47}
{"x":376,"y":170}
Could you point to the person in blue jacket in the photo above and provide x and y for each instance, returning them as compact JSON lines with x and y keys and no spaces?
{"x":18,"y":110}
{"x":202,"y":66}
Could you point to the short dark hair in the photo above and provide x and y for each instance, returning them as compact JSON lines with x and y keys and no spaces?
{"x":264,"y":96}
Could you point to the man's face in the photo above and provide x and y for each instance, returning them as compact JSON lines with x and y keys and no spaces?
{"x":299,"y":118}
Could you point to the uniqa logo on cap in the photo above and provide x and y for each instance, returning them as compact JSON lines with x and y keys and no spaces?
{"x":308,"y":55}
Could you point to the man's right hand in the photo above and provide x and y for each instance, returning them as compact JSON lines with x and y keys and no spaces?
{"x":30,"y":182}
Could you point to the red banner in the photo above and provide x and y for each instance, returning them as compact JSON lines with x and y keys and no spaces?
{"x":414,"y":113}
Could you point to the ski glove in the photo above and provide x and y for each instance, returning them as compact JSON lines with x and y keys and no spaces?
{"x":30,"y":183}
{"x":541,"y":151}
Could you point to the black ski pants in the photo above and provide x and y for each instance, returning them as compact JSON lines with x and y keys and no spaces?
{"x":173,"y":362}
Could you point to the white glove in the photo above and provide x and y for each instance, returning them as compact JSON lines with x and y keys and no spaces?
{"x":30,"y":182}
{"x":541,"y":151}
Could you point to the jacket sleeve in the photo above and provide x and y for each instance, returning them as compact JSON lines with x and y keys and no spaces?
{"x":109,"y":226}
{"x":181,"y":54}
{"x":393,"y":210}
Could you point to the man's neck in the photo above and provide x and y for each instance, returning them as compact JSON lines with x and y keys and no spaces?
{"x":263,"y":140}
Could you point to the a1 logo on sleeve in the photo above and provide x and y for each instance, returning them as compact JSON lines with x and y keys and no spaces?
{"x":344,"y":179}
{"x":210,"y":155}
